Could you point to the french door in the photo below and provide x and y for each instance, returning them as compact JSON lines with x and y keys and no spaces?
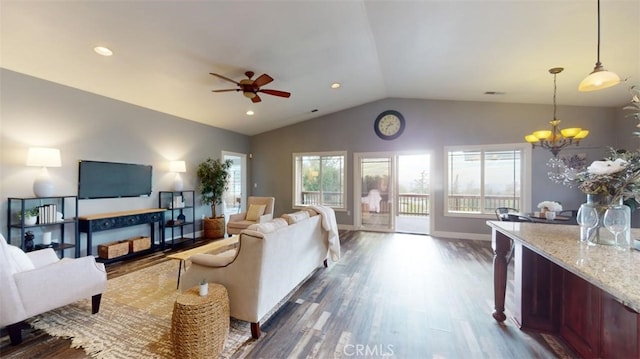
{"x":392,"y":192}
{"x":374,"y":189}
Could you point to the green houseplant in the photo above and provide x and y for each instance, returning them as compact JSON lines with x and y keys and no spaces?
{"x":214,"y":178}
{"x":30,"y":216}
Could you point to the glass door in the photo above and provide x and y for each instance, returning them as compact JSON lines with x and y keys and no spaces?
{"x":392,"y":192}
{"x":374,"y":190}
{"x":235,"y":198}
{"x":414,"y":193}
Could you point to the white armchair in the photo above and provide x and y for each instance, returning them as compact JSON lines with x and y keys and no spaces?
{"x":36,"y":282}
{"x":260,"y":210}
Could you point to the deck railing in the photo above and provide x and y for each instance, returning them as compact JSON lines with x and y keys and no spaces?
{"x":413,"y":204}
{"x":471,"y":203}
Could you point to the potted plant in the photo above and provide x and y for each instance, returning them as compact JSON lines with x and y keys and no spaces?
{"x":30,"y":216}
{"x":214,"y":181}
{"x":204,"y":288}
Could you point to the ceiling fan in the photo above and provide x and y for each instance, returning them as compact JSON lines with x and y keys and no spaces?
{"x":250,"y":88}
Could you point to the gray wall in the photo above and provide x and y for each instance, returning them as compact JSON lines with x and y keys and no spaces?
{"x":85,"y":126}
{"x":91,"y":127}
{"x":430,"y":125}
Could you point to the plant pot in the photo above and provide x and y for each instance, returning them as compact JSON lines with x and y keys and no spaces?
{"x":214,"y":227}
{"x":204,"y":289}
{"x":30,"y":220}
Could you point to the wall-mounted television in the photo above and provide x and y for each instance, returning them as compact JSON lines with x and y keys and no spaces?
{"x":97,"y":179}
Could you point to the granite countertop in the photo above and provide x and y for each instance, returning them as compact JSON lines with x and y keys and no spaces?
{"x":609,"y":268}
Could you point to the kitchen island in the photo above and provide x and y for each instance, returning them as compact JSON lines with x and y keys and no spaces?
{"x":587,"y":294}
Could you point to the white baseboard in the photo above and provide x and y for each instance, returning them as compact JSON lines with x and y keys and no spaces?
{"x":462,"y":235}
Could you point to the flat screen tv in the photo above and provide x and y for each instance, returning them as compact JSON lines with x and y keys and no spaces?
{"x":98,"y":179}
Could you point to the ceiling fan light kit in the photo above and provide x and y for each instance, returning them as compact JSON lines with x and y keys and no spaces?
{"x":250,"y":88}
{"x":599,"y":78}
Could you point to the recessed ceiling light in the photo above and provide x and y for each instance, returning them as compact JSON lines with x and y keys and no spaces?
{"x":494,"y":93}
{"x":335,"y":85}
{"x":101,"y":50}
{"x":250,"y":113}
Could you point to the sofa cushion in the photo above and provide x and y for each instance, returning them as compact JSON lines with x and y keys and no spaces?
{"x":18,"y":260}
{"x":295,"y":217}
{"x":312,"y":212}
{"x":255,"y":211}
{"x":268,"y":227}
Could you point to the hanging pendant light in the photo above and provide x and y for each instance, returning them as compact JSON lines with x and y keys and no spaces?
{"x":599,"y":78}
{"x":556,"y":139}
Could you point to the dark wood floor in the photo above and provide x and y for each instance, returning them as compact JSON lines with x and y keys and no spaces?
{"x":400,"y":295}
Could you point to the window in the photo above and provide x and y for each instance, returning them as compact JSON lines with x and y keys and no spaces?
{"x":319,"y":178}
{"x":482,"y":178}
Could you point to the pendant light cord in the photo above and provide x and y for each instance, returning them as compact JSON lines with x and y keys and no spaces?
{"x":598,"y":64}
{"x":554,"y":96}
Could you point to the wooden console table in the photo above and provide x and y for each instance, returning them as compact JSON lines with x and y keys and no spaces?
{"x":215,"y":247}
{"x":587,"y":294}
{"x":106,"y":221}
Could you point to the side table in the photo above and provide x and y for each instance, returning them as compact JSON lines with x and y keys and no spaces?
{"x":200,"y":325}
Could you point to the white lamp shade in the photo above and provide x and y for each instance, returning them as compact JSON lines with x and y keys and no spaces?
{"x":599,"y":79}
{"x":43,"y":157}
{"x":177,"y":166}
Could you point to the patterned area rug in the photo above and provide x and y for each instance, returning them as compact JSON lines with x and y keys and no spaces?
{"x":134,"y":319}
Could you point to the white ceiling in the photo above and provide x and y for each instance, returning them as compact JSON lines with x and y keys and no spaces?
{"x":452,"y":50}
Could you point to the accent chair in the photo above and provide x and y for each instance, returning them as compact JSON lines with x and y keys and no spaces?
{"x":259,"y":210}
{"x":37,"y":282}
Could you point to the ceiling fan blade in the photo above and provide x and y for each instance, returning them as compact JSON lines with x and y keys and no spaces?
{"x":262,"y":80}
{"x":224,"y":78}
{"x":225,"y":90}
{"x":276,"y":92}
{"x":256,"y":98}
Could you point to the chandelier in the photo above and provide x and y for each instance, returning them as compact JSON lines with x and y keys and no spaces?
{"x":556,"y":139}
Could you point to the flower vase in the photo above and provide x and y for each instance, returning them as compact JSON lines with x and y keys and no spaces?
{"x":602,"y":235}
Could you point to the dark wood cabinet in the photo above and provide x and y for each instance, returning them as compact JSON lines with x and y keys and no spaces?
{"x":551,"y":298}
{"x":619,"y":330}
{"x":538,"y":289}
{"x":581,"y":316}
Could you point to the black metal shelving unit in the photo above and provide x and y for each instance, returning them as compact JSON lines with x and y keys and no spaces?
{"x":180,"y":215}
{"x":67,"y":205}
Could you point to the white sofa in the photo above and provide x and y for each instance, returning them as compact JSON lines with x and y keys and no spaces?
{"x":36,"y":282}
{"x":272,"y":259}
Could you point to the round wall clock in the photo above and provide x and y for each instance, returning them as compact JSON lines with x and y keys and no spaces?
{"x":389,"y":125}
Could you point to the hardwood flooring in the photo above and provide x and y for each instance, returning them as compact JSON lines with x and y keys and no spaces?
{"x":395,"y":295}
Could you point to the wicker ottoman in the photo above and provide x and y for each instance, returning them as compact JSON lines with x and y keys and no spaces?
{"x":200,"y":325}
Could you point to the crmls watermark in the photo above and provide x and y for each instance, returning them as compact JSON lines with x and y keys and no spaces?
{"x":368,"y":350}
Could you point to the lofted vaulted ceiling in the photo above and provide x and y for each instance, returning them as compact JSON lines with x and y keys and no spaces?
{"x":445,"y":50}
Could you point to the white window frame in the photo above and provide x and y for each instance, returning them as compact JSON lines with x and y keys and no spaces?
{"x":525,"y":180}
{"x":297,"y":187}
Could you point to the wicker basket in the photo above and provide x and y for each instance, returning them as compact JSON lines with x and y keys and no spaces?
{"x":200,"y":325}
{"x":138,"y":244}
{"x":113,"y":249}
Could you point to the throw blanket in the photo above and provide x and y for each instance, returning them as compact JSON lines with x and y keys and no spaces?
{"x":330,"y":225}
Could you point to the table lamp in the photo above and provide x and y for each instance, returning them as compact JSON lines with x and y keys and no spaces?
{"x":177,"y":167}
{"x":43,"y":185}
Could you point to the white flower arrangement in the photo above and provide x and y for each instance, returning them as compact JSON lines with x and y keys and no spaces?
{"x":607,"y":167}
{"x":550,"y":206}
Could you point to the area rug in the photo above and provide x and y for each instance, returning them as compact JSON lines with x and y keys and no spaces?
{"x":134,"y":319}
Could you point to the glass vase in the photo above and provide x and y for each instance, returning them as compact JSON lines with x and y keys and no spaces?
{"x":602,"y":235}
